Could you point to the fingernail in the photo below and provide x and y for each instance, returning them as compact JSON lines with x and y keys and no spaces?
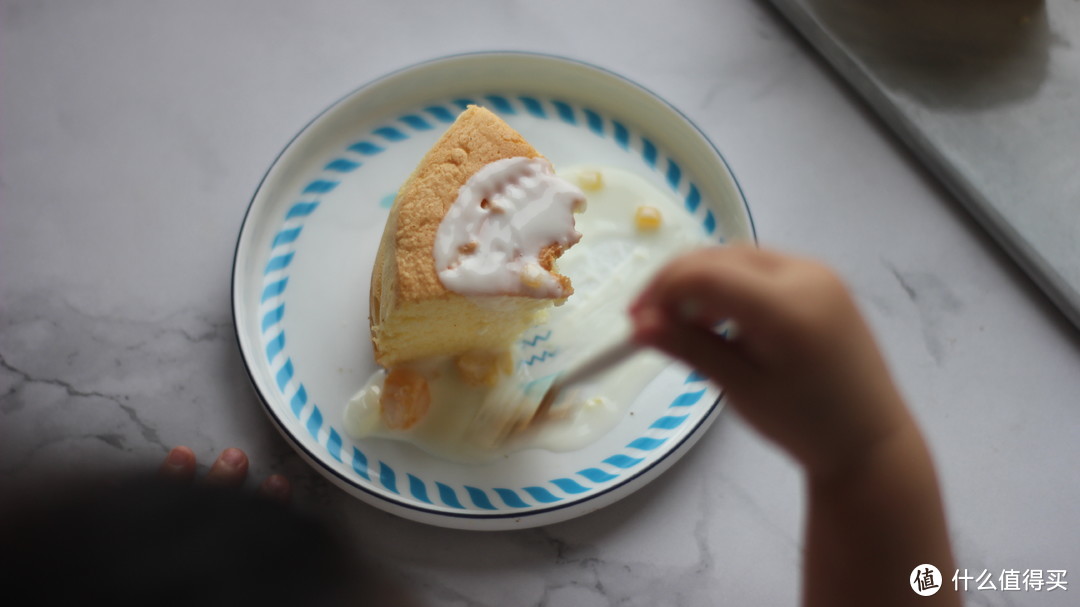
{"x":177,"y":458}
{"x":233,"y":457}
{"x":178,"y":464}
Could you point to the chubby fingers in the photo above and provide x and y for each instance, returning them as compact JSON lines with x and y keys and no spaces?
{"x":229,"y":470}
{"x":715,"y":356}
{"x":709,"y":285}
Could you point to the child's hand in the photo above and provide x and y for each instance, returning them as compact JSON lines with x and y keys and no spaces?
{"x":802,"y":366}
{"x":804,"y":370}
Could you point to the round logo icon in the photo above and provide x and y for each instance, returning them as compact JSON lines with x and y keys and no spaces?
{"x":925,"y":580}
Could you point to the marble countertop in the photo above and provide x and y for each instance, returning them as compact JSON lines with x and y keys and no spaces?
{"x":134,"y":134}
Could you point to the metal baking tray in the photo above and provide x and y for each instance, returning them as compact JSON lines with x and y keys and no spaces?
{"x":987,"y":94}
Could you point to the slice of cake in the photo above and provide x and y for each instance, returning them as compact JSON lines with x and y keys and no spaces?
{"x":466,"y":261}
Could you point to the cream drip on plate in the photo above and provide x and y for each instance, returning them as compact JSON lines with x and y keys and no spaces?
{"x":490,"y":241}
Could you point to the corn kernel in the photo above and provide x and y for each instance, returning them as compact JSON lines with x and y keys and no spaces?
{"x":590,"y":181}
{"x":647,"y":219}
{"x":405,"y":398}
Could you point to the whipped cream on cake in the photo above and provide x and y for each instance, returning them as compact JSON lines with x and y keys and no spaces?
{"x":493,"y":239}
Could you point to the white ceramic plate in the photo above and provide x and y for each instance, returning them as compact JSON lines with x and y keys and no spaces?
{"x":308,"y":242}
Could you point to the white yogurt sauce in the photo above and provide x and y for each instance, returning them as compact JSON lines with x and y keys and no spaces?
{"x":490,"y":240}
{"x":608,"y":268}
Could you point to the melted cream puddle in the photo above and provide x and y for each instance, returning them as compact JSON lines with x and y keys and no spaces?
{"x":608,"y":267}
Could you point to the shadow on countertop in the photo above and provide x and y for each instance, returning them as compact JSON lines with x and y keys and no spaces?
{"x":963,"y":54}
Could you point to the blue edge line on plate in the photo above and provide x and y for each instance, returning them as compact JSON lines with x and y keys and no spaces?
{"x":275,"y":280}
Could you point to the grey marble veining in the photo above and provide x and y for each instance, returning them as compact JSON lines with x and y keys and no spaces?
{"x":134,"y":133}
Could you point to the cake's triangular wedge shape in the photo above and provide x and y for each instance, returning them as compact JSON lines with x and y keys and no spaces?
{"x":446,"y":227}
